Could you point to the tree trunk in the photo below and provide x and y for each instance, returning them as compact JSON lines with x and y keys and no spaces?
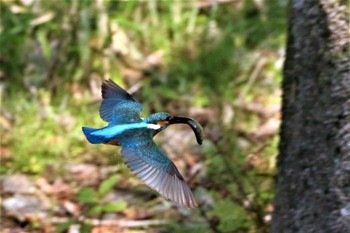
{"x":313,"y":178}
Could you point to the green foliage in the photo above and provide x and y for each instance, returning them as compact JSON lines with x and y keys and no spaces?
{"x":65,"y":226}
{"x":108,"y":184}
{"x":94,"y":199}
{"x":87,"y":195}
{"x":112,"y":207}
{"x":94,"y":203}
{"x":230,"y":214}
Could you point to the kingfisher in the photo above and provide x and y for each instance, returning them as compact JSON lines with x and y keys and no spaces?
{"x":135,"y":135}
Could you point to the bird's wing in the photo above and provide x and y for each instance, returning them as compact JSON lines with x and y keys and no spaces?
{"x":154,"y":168}
{"x":118,"y":106}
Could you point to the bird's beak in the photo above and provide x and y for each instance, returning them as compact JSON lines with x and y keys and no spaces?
{"x":196,"y":127}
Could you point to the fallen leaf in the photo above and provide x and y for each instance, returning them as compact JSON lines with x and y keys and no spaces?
{"x":44,"y":185}
{"x":61,"y":189}
{"x":269,"y":128}
{"x":108,"y":229}
{"x":72,"y":208}
{"x":42,"y":19}
{"x":155,"y":59}
{"x":86,"y":174}
{"x":5,"y":123}
{"x":5,"y":153}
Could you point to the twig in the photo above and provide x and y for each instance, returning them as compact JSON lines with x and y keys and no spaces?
{"x":112,"y":222}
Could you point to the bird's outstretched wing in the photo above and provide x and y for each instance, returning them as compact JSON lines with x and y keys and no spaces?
{"x":154,"y":168}
{"x":118,"y":106}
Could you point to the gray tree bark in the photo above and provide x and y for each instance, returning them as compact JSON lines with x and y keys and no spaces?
{"x":313,"y":177}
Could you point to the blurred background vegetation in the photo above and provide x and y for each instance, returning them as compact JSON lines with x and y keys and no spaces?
{"x":216,"y":61}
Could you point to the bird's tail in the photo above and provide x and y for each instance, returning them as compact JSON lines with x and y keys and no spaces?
{"x":92,"y":138}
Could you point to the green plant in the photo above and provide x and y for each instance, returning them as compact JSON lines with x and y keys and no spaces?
{"x":94,"y":204}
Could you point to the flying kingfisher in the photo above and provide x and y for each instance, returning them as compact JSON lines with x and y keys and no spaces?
{"x":135,"y":136}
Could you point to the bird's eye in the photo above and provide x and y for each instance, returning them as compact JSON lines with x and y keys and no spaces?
{"x":169,"y":118}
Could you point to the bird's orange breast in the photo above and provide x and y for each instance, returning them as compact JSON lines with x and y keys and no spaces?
{"x":114,"y":142}
{"x":162,"y":123}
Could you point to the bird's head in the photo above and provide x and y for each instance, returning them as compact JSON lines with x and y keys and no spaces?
{"x":164,"y":119}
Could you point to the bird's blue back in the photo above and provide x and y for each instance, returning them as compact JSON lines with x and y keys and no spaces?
{"x":118,"y":106}
{"x":140,"y":153}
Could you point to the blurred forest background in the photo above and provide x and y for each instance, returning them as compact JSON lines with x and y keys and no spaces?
{"x":216,"y":61}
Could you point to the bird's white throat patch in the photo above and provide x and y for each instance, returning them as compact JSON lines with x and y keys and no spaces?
{"x":153,"y":126}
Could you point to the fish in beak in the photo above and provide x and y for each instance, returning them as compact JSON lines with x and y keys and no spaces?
{"x":196,"y":127}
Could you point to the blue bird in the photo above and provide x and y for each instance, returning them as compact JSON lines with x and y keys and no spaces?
{"x":135,"y":136}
